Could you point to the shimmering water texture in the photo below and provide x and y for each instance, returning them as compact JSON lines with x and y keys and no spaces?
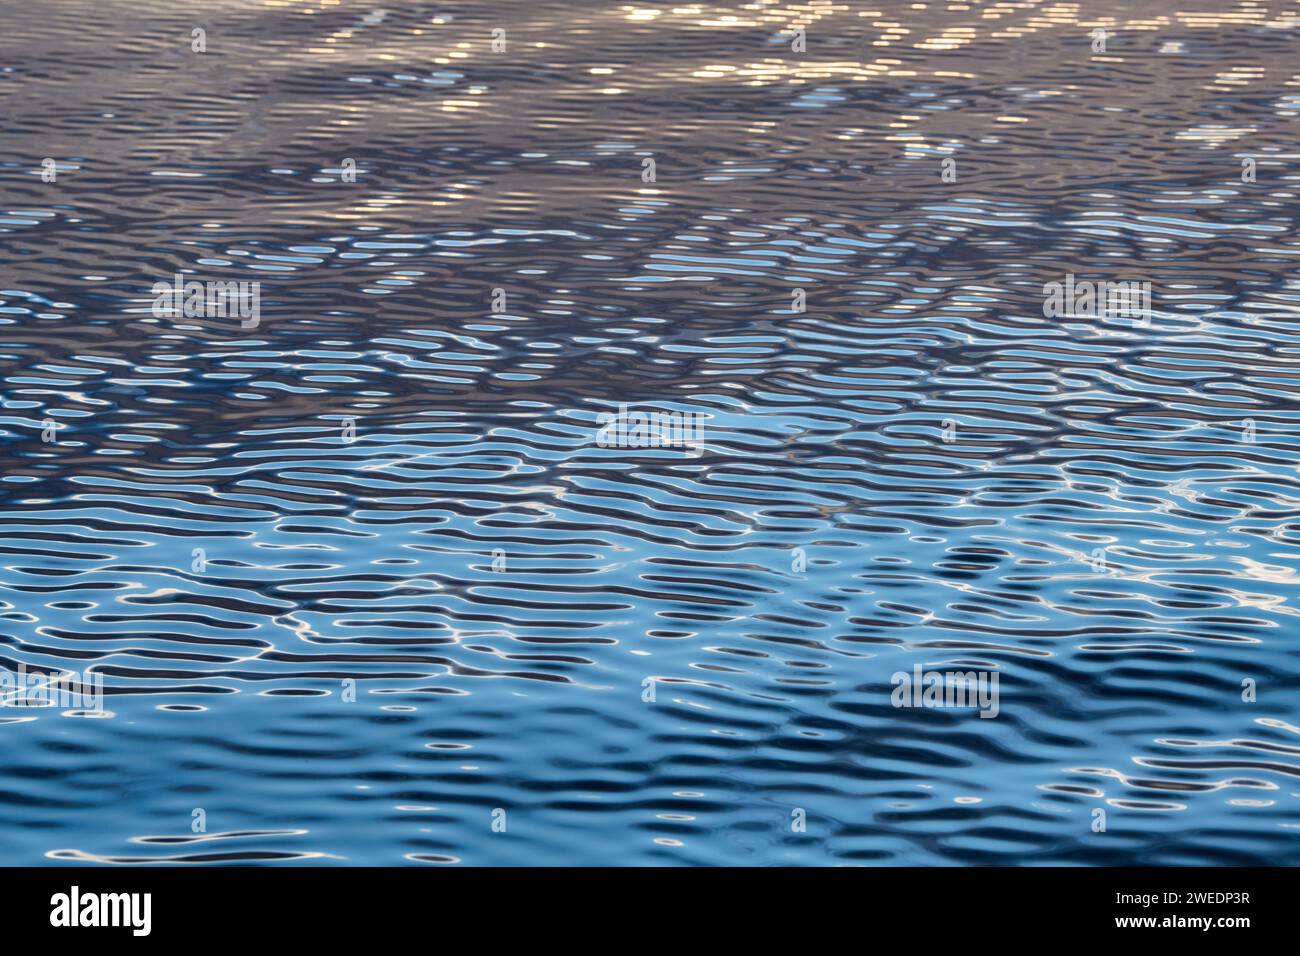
{"x":566,"y":650}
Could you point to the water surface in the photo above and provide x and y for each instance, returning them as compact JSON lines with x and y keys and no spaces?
{"x":919,"y":468}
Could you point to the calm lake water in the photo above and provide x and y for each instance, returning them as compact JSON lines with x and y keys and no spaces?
{"x":369,"y":578}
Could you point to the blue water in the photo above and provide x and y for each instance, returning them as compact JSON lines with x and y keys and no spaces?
{"x":362,"y":582}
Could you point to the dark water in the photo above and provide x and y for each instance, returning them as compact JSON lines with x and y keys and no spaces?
{"x":920,"y":469}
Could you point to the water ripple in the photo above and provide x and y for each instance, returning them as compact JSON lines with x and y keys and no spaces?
{"x":364,"y":585}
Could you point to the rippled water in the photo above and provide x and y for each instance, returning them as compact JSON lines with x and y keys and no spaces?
{"x":919,"y":469}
